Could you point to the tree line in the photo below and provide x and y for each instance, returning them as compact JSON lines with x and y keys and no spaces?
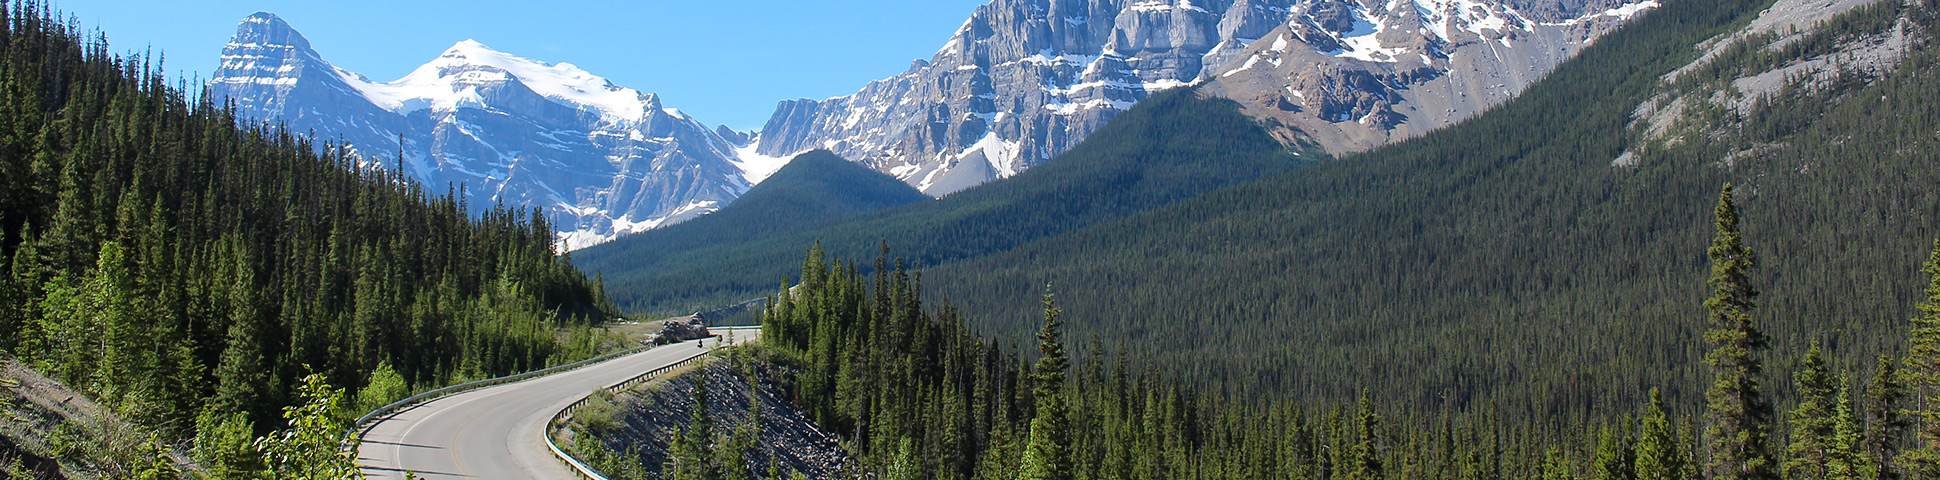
{"x":916,"y":395}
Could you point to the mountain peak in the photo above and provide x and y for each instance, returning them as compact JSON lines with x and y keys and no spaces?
{"x":472,"y":48}
{"x":267,"y":29}
{"x":444,"y":77}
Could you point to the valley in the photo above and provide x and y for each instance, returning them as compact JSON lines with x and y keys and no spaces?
{"x":1087,"y":239}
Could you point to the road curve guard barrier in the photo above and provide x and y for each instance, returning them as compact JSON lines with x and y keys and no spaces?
{"x":356,"y":433}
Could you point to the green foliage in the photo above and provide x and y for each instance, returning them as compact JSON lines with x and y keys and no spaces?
{"x":889,"y":374}
{"x":224,"y":448}
{"x":1658,"y":452}
{"x":385,"y":386}
{"x":692,"y":457}
{"x":1885,"y":423}
{"x":1814,"y":426}
{"x":1614,"y":456}
{"x":1739,"y":417}
{"x":599,"y":414}
{"x":1846,"y":455}
{"x":905,"y":467}
{"x":311,"y":448}
{"x":1047,"y":454}
{"x":1923,"y":378}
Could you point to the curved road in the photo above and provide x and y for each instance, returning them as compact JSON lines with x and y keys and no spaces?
{"x":498,"y":432}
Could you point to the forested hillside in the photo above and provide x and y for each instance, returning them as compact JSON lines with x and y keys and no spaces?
{"x":1506,"y":260}
{"x":814,"y":188}
{"x":187,"y":272}
{"x":914,"y":395}
{"x":1169,"y":147}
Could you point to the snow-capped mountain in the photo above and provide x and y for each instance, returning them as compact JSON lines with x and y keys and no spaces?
{"x":600,"y":159}
{"x":1024,"y":80}
{"x":1351,"y":75}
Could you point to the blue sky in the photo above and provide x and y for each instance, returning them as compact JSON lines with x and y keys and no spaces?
{"x":724,"y":62}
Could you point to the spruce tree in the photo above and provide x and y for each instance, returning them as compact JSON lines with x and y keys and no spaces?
{"x":1366,"y":463}
{"x":1846,"y":455}
{"x":999,"y":460}
{"x":690,"y":457}
{"x":1047,"y":454}
{"x":1808,"y":454}
{"x":1739,"y":418}
{"x":1885,"y":425}
{"x":1922,"y":461}
{"x":1658,"y":455}
{"x":1556,"y":465}
{"x":1615,"y":455}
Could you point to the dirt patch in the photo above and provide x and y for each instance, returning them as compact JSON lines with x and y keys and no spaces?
{"x":51,"y":431}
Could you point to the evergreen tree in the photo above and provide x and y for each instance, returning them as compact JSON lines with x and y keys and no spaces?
{"x":691,"y":459}
{"x":1846,"y":455}
{"x":1614,"y":457}
{"x":1922,"y":461}
{"x":243,"y":373}
{"x":906,"y":466}
{"x":1658,"y":455}
{"x":1813,"y":425}
{"x":999,"y":460}
{"x":1739,"y":418}
{"x":1556,"y":465}
{"x":1047,"y":454}
{"x":385,"y":386}
{"x":223,"y":446}
{"x":1365,"y":461}
{"x":1885,"y":425}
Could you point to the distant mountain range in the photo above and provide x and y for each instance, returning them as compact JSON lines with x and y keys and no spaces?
{"x":600,"y":159}
{"x":1020,"y":82}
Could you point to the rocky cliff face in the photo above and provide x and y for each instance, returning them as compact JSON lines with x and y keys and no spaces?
{"x":1023,"y":80}
{"x":599,"y":159}
{"x":1349,"y":75}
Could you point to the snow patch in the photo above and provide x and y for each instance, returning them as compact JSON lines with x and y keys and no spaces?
{"x":1074,"y":108}
{"x":1622,"y":13}
{"x":452,"y":81}
{"x":1362,"y":43}
{"x":756,"y":167}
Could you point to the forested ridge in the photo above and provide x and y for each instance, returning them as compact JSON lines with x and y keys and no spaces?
{"x":190,"y":273}
{"x":814,"y":189}
{"x":1169,"y":147}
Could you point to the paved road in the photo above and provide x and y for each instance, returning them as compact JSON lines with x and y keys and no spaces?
{"x":498,"y":432}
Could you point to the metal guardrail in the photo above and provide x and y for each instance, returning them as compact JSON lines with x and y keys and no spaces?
{"x":356,"y":433}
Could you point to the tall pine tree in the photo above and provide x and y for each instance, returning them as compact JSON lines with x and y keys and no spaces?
{"x":1885,"y":425}
{"x":1739,"y":418}
{"x":1658,"y":457}
{"x":1813,"y":426}
{"x":1923,"y":376}
{"x":1047,"y":454}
